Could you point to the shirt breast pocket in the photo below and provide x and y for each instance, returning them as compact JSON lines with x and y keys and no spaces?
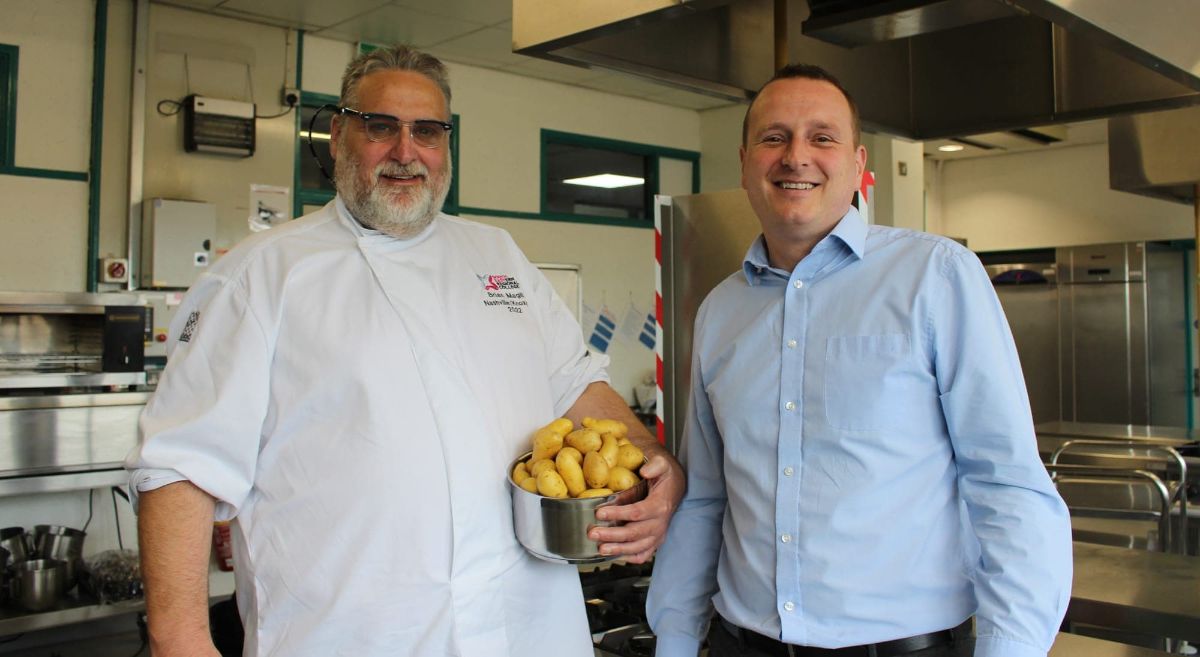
{"x":865,"y":381}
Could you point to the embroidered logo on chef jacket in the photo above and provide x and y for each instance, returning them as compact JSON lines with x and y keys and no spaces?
{"x":502,"y":291}
{"x":190,"y":327}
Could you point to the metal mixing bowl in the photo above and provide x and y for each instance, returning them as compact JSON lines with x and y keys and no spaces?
{"x":556,"y":529}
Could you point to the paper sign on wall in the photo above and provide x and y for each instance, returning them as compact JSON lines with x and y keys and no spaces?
{"x":270,"y":205}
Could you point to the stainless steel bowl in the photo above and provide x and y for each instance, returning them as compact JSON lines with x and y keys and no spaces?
{"x":37,"y":584}
{"x":14,"y":541}
{"x":64,"y":544}
{"x":556,"y":529}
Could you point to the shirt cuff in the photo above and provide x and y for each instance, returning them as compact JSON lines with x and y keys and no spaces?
{"x":145,"y":479}
{"x":676,"y":645}
{"x":993,"y":646}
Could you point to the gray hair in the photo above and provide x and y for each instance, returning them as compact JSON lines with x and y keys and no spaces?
{"x":394,"y":58}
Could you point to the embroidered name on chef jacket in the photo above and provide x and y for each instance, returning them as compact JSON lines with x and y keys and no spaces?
{"x":502,"y":291}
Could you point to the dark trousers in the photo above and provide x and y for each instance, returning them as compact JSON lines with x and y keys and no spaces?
{"x":721,"y":643}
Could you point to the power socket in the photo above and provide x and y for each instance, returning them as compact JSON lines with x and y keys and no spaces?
{"x":289,"y":97}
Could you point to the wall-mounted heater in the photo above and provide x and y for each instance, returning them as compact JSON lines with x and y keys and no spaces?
{"x":213,"y":125}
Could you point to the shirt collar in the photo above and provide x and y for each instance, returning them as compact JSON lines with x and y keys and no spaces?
{"x":851,"y":231}
{"x":371,"y":237}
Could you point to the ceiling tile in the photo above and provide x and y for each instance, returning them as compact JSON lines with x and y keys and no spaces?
{"x":689,"y":100}
{"x":626,"y":85}
{"x":192,"y":4}
{"x":487,"y":12}
{"x":391,"y":24}
{"x":306,"y":13}
{"x":488,"y":45}
{"x":553,"y":71}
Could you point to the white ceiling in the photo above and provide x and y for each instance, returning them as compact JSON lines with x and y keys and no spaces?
{"x":472,"y":32}
{"x":479,"y":33}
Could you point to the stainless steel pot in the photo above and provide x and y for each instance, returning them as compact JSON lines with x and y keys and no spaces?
{"x":13,"y":540}
{"x":64,"y":544}
{"x":37,"y":584}
{"x":556,"y":529}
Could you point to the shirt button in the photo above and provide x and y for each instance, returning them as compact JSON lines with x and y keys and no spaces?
{"x":786,"y":538}
{"x":788,"y":471}
{"x":790,"y":406}
{"x":791,"y":344}
{"x":798,"y":284}
{"x":788,"y":606}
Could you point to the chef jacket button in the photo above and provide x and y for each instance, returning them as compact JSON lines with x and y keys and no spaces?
{"x":798,"y":284}
{"x":790,"y":406}
{"x":791,"y":344}
{"x":786,"y":538}
{"x":788,"y":606}
{"x":788,"y":471}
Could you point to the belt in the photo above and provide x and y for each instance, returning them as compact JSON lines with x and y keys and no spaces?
{"x":769,"y":646}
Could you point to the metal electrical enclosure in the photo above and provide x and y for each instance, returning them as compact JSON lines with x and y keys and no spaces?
{"x":176,"y":242}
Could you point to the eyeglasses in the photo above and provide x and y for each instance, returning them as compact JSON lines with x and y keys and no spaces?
{"x":426,"y":133}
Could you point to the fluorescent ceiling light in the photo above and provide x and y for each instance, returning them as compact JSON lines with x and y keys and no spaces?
{"x":319,"y":136}
{"x":950,"y":148}
{"x":605,"y":180}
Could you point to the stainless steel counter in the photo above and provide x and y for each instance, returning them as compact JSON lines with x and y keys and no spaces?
{"x":1148,"y":433}
{"x":1136,"y":590}
{"x":1074,"y":645}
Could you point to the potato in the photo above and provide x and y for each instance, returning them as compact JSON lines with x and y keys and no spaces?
{"x":630,"y":457}
{"x":536,"y":468}
{"x":595,"y":470}
{"x":561,"y":426}
{"x":546,"y":444}
{"x":572,"y":452}
{"x":618,"y":479}
{"x":595,"y":492}
{"x":622,"y":441}
{"x":587,"y":422}
{"x":615,"y":427}
{"x":520,"y":473}
{"x":571,"y":473}
{"x":584,"y":440}
{"x":530,"y":484}
{"x":608,"y":449}
{"x":551,"y":484}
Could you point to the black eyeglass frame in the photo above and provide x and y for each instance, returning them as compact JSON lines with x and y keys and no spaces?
{"x":368,"y":116}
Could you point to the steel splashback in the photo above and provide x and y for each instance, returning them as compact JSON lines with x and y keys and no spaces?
{"x":919,"y":69}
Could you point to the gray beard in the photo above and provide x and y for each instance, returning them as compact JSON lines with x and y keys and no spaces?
{"x":403,"y":214}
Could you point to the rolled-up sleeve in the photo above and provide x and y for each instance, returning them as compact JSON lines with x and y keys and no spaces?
{"x":203,"y":423}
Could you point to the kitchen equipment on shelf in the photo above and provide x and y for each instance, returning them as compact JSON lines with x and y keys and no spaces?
{"x":15,"y":544}
{"x":38,"y":584}
{"x":555,"y":529}
{"x":63,"y":544}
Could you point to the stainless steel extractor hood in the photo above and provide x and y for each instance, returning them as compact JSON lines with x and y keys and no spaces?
{"x":1156,"y":154}
{"x":921,"y":69}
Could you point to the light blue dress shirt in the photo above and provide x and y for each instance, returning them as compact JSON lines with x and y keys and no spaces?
{"x":861,"y":457}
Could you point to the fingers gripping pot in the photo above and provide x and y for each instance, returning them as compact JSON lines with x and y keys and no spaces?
{"x":555,"y":529}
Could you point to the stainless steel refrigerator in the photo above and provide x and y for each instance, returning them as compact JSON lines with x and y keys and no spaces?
{"x":1102,"y":331}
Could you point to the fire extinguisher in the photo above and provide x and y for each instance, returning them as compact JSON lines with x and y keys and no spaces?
{"x":223,"y":545}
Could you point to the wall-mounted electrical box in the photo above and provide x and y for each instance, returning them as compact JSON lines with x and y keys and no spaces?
{"x":176,"y":242}
{"x":213,"y":125}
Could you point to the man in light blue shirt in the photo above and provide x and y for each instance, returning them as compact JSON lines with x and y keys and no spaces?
{"x":862,"y":468}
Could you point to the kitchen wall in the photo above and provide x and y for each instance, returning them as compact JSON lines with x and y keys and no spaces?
{"x":1052,"y":197}
{"x":44,"y":218}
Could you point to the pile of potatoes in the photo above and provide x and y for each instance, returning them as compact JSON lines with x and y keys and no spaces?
{"x":596,"y":460}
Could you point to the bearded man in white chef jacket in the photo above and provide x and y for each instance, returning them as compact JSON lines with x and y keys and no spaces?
{"x":340,"y":388}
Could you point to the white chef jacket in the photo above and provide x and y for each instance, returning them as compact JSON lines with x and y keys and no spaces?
{"x":352,"y":401}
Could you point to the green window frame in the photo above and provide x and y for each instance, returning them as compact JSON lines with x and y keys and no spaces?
{"x":653,"y":156}
{"x":310,"y":196}
{"x":8,"y":103}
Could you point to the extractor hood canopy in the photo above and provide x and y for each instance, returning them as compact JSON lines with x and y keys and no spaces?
{"x":919,"y":69}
